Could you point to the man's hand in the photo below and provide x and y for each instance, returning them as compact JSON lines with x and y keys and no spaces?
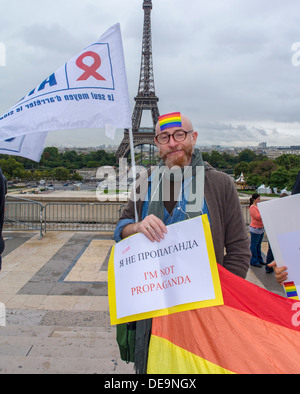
{"x":152,"y":227}
{"x":280,"y":273}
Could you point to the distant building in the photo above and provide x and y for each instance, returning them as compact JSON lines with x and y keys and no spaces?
{"x":87,"y":173}
{"x":262,"y":145}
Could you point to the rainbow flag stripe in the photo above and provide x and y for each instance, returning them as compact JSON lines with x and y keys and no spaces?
{"x":291,"y":290}
{"x":229,"y":338}
{"x":170,"y":120}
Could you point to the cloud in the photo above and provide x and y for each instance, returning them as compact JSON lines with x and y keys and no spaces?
{"x":227,"y":65}
{"x":48,"y":38}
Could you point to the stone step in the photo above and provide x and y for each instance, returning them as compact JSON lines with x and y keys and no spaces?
{"x":57,"y":365}
{"x":58,"y":347}
{"x":57,"y":331}
{"x":60,"y":350}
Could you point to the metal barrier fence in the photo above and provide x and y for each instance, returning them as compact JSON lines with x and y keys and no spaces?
{"x":246,"y":214}
{"x":23,"y":215}
{"x":28,"y":215}
{"x":81,"y":216}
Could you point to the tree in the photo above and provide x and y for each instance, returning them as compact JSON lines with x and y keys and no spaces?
{"x":229,"y":159}
{"x":60,"y":174}
{"x":70,"y":155}
{"x":10,"y":166}
{"x":37,"y":175}
{"x":283,"y":161}
{"x":247,"y":155}
{"x":93,"y":164}
{"x":292,"y":178}
{"x":295,"y":161}
{"x":215,"y":159}
{"x":51,"y":157}
{"x":265,"y":169}
{"x":253,"y":180}
{"x":241,"y":167}
{"x":76,"y":177}
{"x":206,"y":156}
{"x":279,"y":178}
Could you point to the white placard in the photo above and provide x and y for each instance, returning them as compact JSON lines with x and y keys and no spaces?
{"x":152,"y":276}
{"x":281,"y":219}
{"x":280,"y":216}
{"x":289,"y":244}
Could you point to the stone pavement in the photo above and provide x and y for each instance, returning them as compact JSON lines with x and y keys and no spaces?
{"x":55,"y":293}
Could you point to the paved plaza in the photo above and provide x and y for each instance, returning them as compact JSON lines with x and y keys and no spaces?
{"x":55,"y":293}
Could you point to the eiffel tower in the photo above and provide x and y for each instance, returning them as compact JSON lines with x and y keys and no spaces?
{"x":146,"y":99}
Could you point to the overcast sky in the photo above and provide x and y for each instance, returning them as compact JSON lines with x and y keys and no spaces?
{"x":227,"y":64}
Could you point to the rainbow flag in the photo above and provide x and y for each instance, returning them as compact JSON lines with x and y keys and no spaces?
{"x":254,"y":332}
{"x":291,"y":290}
{"x":170,"y":120}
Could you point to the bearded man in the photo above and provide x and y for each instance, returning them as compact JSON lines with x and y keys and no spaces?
{"x":182,"y":187}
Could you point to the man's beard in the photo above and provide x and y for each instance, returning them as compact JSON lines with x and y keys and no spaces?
{"x":181,"y":161}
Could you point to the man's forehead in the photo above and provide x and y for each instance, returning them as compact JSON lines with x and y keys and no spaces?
{"x":171,"y":130}
{"x":166,"y":123}
{"x":170,"y":120}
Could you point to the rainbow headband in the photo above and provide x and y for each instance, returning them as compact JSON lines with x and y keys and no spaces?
{"x":170,"y":120}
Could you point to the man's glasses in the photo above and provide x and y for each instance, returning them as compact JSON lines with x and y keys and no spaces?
{"x":178,"y":136}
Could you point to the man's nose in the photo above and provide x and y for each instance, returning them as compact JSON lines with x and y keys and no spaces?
{"x":172,"y":141}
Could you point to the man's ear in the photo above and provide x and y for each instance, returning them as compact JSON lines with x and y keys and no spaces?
{"x":194,"y":136}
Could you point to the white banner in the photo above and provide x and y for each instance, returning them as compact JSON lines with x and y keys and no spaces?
{"x":30,"y":146}
{"x":89,"y":91}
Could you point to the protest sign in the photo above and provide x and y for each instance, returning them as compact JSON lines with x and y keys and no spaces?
{"x":179,"y":273}
{"x":281,"y":218}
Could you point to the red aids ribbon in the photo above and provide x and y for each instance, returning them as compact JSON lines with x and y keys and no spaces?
{"x":89,"y":71}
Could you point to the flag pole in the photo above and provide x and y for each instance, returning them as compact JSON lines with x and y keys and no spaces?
{"x":133,"y":173}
